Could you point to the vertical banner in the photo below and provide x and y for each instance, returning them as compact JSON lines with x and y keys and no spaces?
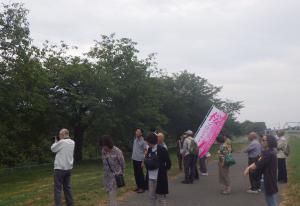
{"x":210,"y":129}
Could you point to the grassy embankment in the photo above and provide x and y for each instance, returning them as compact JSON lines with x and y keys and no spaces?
{"x":34,"y":186}
{"x":291,"y":194}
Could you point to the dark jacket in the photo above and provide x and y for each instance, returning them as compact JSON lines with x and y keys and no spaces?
{"x":267,"y":163}
{"x":165,"y":164}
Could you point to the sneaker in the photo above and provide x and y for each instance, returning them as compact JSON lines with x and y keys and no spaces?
{"x":259,"y":190}
{"x":204,"y":174}
{"x":252,"y":191}
{"x":225,"y":192}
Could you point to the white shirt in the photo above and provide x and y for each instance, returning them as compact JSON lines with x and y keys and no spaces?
{"x":153,"y":173}
{"x":64,"y":150}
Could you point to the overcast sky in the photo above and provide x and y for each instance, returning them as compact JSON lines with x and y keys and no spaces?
{"x":250,"y":47}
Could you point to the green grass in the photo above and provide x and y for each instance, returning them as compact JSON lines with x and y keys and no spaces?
{"x":34,"y":186}
{"x":292,"y":192}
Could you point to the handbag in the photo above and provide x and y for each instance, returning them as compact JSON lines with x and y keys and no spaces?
{"x":229,"y":161}
{"x":118,"y":177}
{"x":151,"y":161}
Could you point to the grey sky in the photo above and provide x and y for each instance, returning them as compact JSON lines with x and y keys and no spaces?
{"x":250,"y":47}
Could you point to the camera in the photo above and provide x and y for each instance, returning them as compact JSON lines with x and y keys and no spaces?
{"x":56,"y":138}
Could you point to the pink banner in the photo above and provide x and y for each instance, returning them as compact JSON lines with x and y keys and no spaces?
{"x":210,"y":129}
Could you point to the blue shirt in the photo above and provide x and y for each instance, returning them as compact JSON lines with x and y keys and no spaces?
{"x":254,"y":149}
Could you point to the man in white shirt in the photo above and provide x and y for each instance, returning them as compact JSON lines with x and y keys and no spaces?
{"x":63,"y":164}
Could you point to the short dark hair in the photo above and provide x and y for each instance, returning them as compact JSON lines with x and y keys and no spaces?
{"x":226,"y":135}
{"x":151,"y":138}
{"x":220,"y":139}
{"x":138,"y":128}
{"x":106,"y":140}
{"x":153,"y":129}
{"x":271,"y":141}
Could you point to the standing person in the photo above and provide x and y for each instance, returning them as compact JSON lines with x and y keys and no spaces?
{"x":138,"y":154}
{"x":254,"y":151}
{"x":282,"y":154}
{"x":224,"y":179}
{"x":203,"y":165}
{"x":228,"y":141}
{"x":179,"y":145}
{"x":157,"y":162}
{"x":63,"y":165}
{"x":267,"y":163}
{"x":188,"y":158}
{"x":161,"y":140}
{"x":113,"y":163}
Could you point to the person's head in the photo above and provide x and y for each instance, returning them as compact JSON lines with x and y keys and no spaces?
{"x":139,"y":132}
{"x":106,"y":142}
{"x":160,"y":138}
{"x":220,"y":139}
{"x":269,"y":142}
{"x":252,"y":136}
{"x":189,"y":133}
{"x":280,"y":133}
{"x":226,"y":136}
{"x":64,"y":133}
{"x":151,"y":139}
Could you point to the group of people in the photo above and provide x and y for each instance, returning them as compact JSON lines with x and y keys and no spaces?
{"x":150,"y":153}
{"x":267,"y":163}
{"x":266,"y":155}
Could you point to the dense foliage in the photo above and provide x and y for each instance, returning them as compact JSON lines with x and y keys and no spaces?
{"x":109,"y":89}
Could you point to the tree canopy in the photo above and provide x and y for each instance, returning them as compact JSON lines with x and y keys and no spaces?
{"x":108,"y":90}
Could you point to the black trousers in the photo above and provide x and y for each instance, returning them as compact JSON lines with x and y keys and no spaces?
{"x":139,"y":175}
{"x":194,"y":167}
{"x":254,"y":176}
{"x":282,"y":173}
{"x":202,"y":161}
{"x":179,"y":157}
{"x":62,"y":178}
{"x":189,"y":170}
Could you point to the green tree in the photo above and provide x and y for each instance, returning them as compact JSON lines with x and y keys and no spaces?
{"x":23,"y":90}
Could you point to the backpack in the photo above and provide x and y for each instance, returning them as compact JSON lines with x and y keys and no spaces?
{"x":151,"y":161}
{"x":193,"y":147}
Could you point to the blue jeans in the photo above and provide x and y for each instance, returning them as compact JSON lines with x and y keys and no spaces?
{"x":62,"y":178}
{"x":271,"y":200}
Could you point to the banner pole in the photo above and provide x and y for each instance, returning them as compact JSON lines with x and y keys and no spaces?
{"x":211,"y":107}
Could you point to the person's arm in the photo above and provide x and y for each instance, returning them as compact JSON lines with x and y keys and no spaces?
{"x":57,"y":146}
{"x":168,"y":161}
{"x":250,"y":168}
{"x":121,"y":161}
{"x":259,"y":164}
{"x":145,"y":152}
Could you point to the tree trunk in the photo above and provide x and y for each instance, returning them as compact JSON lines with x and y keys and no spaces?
{"x":78,"y":137}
